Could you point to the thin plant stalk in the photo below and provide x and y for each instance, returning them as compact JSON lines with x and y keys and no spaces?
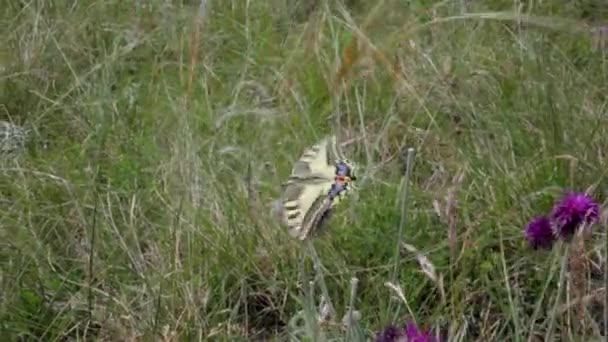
{"x":512,"y":306}
{"x":90,"y":296}
{"x":351,"y":309}
{"x":554,"y":264}
{"x":411,"y":153}
{"x":606,"y":283}
{"x":319,"y":275}
{"x":194,"y":44}
{"x":309,"y":313}
{"x":408,"y":171}
{"x":96,"y":191}
{"x":560,"y":286}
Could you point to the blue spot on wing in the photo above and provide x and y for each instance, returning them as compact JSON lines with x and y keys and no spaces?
{"x":342,"y":169}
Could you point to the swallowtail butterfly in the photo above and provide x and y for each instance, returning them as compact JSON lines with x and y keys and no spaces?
{"x":318,"y":181}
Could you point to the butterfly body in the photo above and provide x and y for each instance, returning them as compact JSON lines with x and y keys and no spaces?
{"x":315,"y":185}
{"x":342,"y":180}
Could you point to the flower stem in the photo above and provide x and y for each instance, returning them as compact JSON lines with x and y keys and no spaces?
{"x":319,"y":274}
{"x":408,"y":171}
{"x":560,"y":286}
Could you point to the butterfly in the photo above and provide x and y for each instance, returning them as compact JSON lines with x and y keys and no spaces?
{"x":318,"y":181}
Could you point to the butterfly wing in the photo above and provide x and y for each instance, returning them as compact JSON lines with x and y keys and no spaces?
{"x":316,"y":163}
{"x":305,"y":196}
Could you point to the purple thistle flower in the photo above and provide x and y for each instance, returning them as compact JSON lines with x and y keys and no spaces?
{"x":410,"y":333}
{"x":572,"y":211}
{"x":414,"y":334}
{"x":539,"y":233}
{"x":390,"y":334}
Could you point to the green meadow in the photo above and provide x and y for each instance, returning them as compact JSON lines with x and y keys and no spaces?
{"x":142,"y":204}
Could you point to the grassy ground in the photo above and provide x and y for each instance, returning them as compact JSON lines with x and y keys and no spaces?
{"x":141,"y":208}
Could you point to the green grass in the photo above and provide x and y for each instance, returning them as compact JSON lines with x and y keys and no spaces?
{"x":142,"y":206}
